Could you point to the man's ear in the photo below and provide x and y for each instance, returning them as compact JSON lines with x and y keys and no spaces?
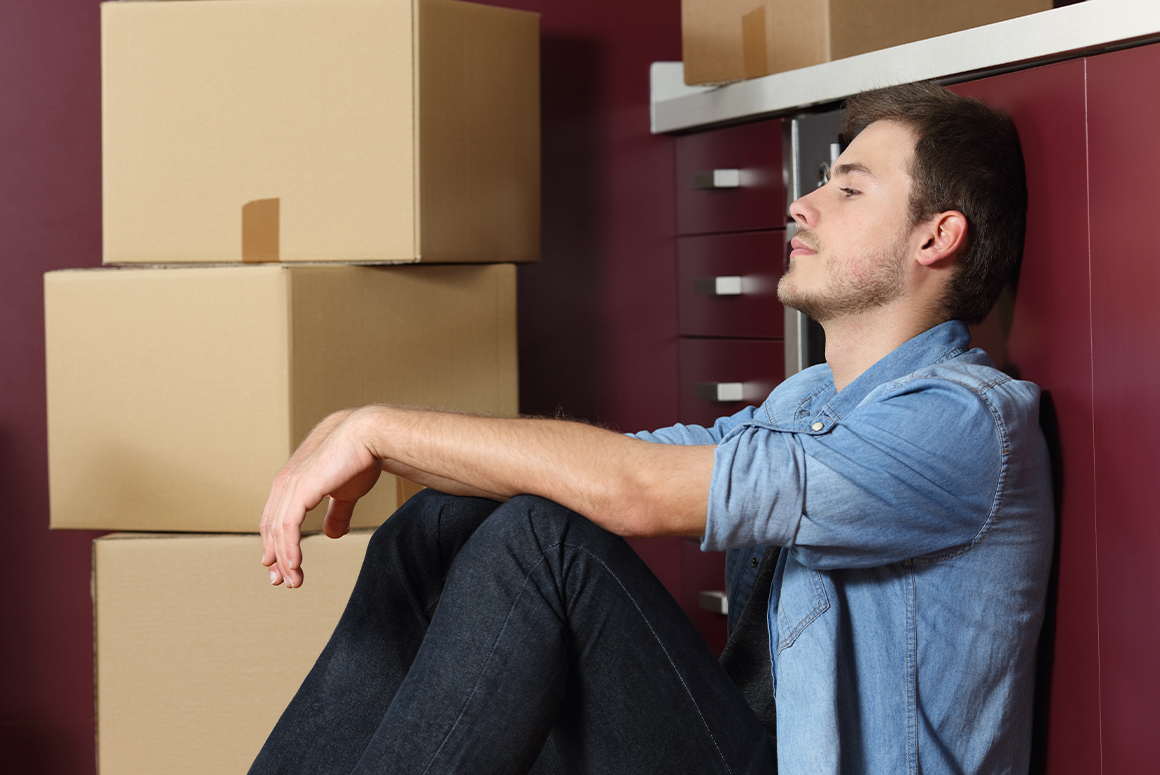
{"x":942,"y":237}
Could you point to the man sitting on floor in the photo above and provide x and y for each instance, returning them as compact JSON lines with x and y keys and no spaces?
{"x":500,"y":625}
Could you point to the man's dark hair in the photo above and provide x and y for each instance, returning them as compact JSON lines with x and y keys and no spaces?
{"x":966,"y":158}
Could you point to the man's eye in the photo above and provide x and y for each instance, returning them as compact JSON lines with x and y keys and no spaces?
{"x":847,"y":191}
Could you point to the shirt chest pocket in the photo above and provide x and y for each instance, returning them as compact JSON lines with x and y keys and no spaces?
{"x":803,"y":599}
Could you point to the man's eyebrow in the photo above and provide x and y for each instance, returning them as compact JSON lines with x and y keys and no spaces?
{"x":851,"y":167}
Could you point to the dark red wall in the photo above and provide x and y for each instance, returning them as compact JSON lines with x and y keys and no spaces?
{"x":50,"y":217}
{"x":598,"y":316}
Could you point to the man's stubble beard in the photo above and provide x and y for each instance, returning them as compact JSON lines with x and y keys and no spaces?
{"x":846,"y":291}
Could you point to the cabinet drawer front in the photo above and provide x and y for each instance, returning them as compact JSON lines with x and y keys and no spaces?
{"x":703,"y":572}
{"x":728,"y":284}
{"x":730,"y":179}
{"x":722,"y":376}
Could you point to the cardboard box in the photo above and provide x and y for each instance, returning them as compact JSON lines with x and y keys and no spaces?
{"x":729,"y":40}
{"x":358,"y":131}
{"x":196,"y":654}
{"x":175,"y":395}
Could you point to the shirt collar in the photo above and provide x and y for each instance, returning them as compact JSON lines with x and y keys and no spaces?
{"x":944,"y":341}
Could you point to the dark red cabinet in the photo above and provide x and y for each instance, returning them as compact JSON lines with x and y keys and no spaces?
{"x":731,"y":206}
{"x":1123,"y":108}
{"x":748,"y":191}
{"x":1043,"y":333}
{"x":720,"y":377}
{"x":1081,"y":324}
{"x":727,"y":284}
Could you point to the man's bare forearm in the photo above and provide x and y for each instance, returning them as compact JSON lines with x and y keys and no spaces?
{"x":630,"y":487}
{"x":437,"y":483}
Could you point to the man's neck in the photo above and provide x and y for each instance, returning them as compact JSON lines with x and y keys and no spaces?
{"x":855,"y":343}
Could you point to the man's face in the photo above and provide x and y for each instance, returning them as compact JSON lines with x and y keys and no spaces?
{"x":854,"y":233}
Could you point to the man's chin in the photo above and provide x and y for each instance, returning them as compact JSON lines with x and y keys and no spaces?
{"x":789,"y":294}
{"x":792,"y":297}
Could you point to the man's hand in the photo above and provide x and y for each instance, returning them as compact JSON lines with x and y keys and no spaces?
{"x":332,"y":461}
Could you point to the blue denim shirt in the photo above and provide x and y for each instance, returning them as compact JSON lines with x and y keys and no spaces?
{"x":915,"y":511}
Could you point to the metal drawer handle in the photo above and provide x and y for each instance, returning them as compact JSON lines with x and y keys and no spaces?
{"x":721,"y":391}
{"x":717,"y":286}
{"x":714,"y":601}
{"x":717,"y":179}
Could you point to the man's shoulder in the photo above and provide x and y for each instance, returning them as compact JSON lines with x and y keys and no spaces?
{"x":969,"y":378}
{"x":806,"y":382}
{"x":975,"y":370}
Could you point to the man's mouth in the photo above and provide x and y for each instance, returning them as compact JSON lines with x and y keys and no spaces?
{"x":799,"y":247}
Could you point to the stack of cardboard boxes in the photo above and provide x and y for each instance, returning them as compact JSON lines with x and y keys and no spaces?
{"x":315,"y":204}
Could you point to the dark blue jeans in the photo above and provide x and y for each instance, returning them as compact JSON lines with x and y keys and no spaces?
{"x":489,"y":638}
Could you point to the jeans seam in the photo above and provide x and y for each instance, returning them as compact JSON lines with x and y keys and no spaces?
{"x":665,"y":651}
{"x":507,"y":618}
{"x":483,"y":671}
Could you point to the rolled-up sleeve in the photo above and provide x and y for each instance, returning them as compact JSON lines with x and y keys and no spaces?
{"x":913,"y":470}
{"x":694,"y":435}
{"x":757,"y":489}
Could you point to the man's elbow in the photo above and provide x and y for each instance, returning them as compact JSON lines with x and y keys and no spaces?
{"x":644,"y":508}
{"x":653,"y":490}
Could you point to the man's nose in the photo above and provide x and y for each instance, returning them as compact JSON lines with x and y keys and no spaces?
{"x":803,"y":211}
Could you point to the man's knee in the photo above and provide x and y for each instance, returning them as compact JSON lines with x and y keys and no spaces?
{"x":542,"y":523}
{"x":430,"y":522}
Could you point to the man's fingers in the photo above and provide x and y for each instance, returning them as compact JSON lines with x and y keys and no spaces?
{"x":268,"y":555}
{"x":337,"y":521}
{"x":294,"y":578}
{"x":287,"y":547}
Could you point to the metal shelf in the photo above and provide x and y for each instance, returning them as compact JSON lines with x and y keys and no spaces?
{"x":1090,"y":27}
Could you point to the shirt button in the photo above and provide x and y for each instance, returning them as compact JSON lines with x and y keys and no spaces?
{"x":818,"y":426}
{"x":805,"y":412}
{"x":753,"y":562}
